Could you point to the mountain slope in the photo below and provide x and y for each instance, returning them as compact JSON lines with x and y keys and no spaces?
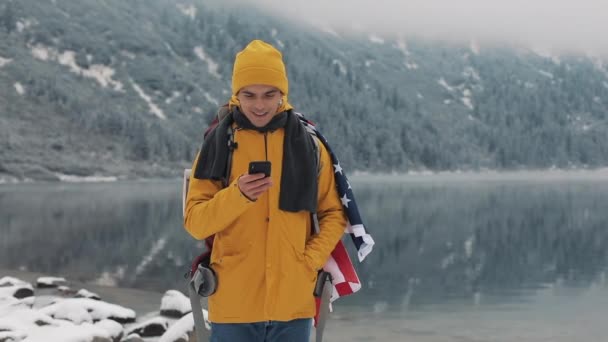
{"x":126,"y":88}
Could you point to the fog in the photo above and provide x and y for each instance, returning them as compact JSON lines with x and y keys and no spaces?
{"x":551,"y":25}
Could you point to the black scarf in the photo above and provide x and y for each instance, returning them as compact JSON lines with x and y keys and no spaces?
{"x":299,"y":184}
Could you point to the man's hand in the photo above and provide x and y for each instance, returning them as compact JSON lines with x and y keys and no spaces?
{"x":252,"y":186}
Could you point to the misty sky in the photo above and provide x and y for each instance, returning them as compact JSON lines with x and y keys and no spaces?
{"x":555,"y":25}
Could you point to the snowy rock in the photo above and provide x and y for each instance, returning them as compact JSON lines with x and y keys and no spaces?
{"x":174,"y":304}
{"x":34,"y":326}
{"x":14,"y":288}
{"x":17,"y":291}
{"x":180,"y":331}
{"x":113,"y":328}
{"x":11,"y":336}
{"x":10,"y":281}
{"x":133,"y":338}
{"x":49,"y":282}
{"x":83,"y":293}
{"x":153,"y":327}
{"x":98,"y":310}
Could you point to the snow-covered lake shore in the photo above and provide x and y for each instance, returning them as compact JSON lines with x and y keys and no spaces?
{"x":38,"y":308}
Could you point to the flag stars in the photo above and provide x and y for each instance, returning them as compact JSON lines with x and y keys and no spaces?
{"x":338,"y":168}
{"x":345,"y":200}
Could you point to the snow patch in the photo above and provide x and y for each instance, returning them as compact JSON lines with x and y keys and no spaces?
{"x":340,"y":66}
{"x":128,"y":54}
{"x":101,"y":73}
{"x":545,"y":53}
{"x":410,"y":66}
{"x":329,"y":30}
{"x":280,"y":43}
{"x":418,"y":95}
{"x":19,"y":88}
{"x":4,"y":61}
{"x":40,"y":52}
{"x":474,"y":46}
{"x":50,"y":281}
{"x":85,"y":179}
{"x":529,"y":85}
{"x":447,"y":261}
{"x":273,"y":32}
{"x":375,"y":39}
{"x":187,"y":10}
{"x":447,"y":102}
{"x":173,"y":97}
{"x":597,"y":99}
{"x":23,"y":25}
{"x":83,"y":309}
{"x":369,"y":63}
{"x":402,"y":46}
{"x":468,"y":246}
{"x":154,"y":109}
{"x":445,"y":84}
{"x":466,"y":98}
{"x":470,"y":72}
{"x":546,"y":74}
{"x":174,"y":300}
{"x":212,"y":66}
{"x":211,"y":99}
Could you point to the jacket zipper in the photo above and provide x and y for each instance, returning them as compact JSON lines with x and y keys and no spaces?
{"x":266,"y":145}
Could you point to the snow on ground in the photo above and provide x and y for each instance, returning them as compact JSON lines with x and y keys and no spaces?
{"x":100,"y":73}
{"x":375,"y":39}
{"x":546,"y":53}
{"x":187,"y":10}
{"x":173,"y":97}
{"x":546,"y":74}
{"x":340,"y":66}
{"x":4,"y":61}
{"x":154,"y":109}
{"x":470,"y":72}
{"x":211,"y":99}
{"x":466,"y":99}
{"x":49,"y":281}
{"x":23,"y":25}
{"x":84,"y":293}
{"x":174,"y":301}
{"x":474,"y":46}
{"x":85,"y":179}
{"x":19,"y":88}
{"x":442,"y":82}
{"x":212,"y":66}
{"x":51,"y":316}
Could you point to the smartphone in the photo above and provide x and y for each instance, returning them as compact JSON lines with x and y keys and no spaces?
{"x":260,"y":167}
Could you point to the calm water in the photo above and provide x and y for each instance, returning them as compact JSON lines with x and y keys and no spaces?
{"x":456,"y":259}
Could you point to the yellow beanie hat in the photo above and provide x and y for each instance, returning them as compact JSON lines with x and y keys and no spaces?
{"x":259,"y":63}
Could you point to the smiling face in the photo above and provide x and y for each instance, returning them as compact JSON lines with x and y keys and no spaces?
{"x":259,"y":103}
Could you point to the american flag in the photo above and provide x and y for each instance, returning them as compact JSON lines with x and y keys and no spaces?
{"x":345,"y":279}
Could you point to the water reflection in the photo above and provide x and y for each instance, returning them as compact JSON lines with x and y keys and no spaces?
{"x":462,"y":240}
{"x":436,"y":242}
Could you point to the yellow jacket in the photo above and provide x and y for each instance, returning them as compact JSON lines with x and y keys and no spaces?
{"x":265,"y":259}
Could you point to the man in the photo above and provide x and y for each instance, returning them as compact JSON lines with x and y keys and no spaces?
{"x":264,"y":255}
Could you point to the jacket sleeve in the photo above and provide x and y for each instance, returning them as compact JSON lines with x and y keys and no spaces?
{"x":209,"y":208}
{"x":332,"y":220}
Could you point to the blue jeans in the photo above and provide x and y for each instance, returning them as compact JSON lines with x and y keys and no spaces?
{"x":297,"y":330}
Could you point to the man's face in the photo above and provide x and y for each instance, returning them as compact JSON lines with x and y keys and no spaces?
{"x":259,"y":103}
